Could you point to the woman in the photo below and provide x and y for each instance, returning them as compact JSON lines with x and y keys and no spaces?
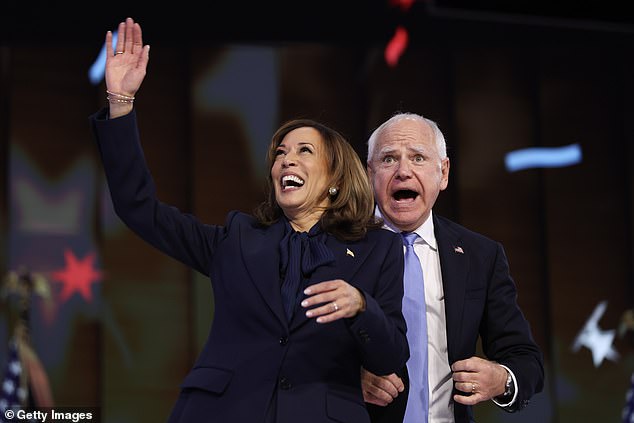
{"x":306,"y":292}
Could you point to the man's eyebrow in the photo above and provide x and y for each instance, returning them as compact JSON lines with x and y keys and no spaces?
{"x":417,"y":149}
{"x":385,"y":150}
{"x":388,"y":150}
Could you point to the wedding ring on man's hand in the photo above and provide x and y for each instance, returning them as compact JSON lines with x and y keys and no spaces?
{"x":473,"y":387}
{"x":119,"y":52}
{"x":335,"y":306}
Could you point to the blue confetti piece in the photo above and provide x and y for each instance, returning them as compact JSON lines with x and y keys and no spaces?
{"x":98,"y":68}
{"x":538,"y":157}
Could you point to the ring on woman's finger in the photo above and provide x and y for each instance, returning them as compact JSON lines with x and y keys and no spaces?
{"x":473,"y":388}
{"x":335,"y":307}
{"x":119,"y":52}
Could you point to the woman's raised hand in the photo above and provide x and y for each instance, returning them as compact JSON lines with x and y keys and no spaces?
{"x":126,"y":66}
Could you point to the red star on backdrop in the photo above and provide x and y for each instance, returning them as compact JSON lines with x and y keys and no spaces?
{"x":77,"y":276}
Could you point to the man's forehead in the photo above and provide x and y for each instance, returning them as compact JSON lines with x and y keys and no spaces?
{"x":402,"y":145}
{"x":407,"y":124}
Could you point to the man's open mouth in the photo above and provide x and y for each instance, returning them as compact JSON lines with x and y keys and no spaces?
{"x":405,"y":194}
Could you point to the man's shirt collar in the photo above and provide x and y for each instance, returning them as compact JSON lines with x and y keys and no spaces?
{"x":425,"y":231}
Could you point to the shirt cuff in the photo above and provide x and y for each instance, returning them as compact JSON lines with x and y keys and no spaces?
{"x":512,"y":401}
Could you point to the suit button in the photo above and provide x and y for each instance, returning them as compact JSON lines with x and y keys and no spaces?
{"x":283,"y":340}
{"x":285,"y":384}
{"x":363,"y":334}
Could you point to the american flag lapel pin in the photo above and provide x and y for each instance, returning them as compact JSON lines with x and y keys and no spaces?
{"x":458,"y":250}
{"x":349,"y":253}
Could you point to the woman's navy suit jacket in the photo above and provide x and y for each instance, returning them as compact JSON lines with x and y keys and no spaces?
{"x":256,"y":366}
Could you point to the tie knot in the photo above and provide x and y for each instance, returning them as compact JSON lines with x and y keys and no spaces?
{"x":409,"y":238}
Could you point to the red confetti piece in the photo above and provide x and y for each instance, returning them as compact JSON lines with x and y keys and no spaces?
{"x":396,"y":46}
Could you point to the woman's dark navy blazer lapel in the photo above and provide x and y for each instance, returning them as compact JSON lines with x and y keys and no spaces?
{"x":261,"y":257}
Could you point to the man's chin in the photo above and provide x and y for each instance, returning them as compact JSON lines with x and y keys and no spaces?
{"x":406,"y":206}
{"x":406,"y":218}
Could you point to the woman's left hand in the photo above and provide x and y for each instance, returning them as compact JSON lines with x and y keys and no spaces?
{"x":338,"y":299}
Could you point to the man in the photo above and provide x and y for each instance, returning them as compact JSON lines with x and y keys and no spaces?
{"x":467,"y":288}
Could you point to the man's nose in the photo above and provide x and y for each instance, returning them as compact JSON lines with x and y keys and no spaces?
{"x":404,"y":169}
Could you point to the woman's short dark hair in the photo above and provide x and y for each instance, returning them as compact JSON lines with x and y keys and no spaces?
{"x":350,"y":212}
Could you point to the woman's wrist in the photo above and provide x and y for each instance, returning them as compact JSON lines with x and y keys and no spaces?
{"x":120,"y":104}
{"x":118,"y":110}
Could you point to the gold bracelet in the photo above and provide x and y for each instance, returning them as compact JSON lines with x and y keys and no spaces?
{"x":120,"y":100}
{"x":119,"y":96}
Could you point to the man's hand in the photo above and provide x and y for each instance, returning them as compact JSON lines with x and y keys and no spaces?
{"x":380,"y":390}
{"x":480,"y":379}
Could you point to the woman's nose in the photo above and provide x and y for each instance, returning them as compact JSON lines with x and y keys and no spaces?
{"x":289,"y":160}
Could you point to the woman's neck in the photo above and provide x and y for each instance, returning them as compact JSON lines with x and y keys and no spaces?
{"x":304,"y":218}
{"x":303,"y":224}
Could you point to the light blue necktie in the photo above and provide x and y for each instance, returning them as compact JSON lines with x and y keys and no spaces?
{"x":414,"y":312}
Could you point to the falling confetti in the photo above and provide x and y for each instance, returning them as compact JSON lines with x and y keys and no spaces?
{"x":396,"y":46}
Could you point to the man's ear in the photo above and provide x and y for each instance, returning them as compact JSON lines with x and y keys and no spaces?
{"x":444,"y":169}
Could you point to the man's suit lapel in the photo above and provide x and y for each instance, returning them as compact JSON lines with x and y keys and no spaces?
{"x":261,"y":257}
{"x":348,"y":260}
{"x":454,"y":264}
